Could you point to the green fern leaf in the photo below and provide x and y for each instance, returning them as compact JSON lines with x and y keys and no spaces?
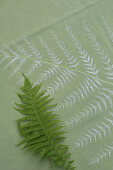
{"x":40,"y":127}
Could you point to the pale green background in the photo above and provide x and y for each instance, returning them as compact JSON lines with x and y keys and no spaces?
{"x":37,"y":18}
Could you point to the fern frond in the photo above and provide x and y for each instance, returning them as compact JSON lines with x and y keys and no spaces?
{"x":41,"y":130}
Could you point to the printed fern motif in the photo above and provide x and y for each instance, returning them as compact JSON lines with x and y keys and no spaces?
{"x":40,"y":127}
{"x":86,"y":58}
{"x":71,"y":60}
{"x":108,"y":68}
{"x":94,"y":132}
{"x":102,"y":155}
{"x":107,"y":28}
{"x":75,"y":65}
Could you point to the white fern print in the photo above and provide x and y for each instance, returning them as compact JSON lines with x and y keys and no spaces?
{"x":70,"y":59}
{"x":85,"y":90}
{"x":11,"y":62}
{"x":13,"y":57}
{"x":51,"y":71}
{"x":33,"y":49}
{"x":24,"y":54}
{"x":20,"y":64}
{"x":34,"y":66}
{"x":97,"y":104}
{"x":61,"y":81}
{"x":108,"y":69}
{"x":98,"y":131}
{"x":107,"y":28}
{"x":87,"y":60}
{"x":63,"y":77}
{"x":107,"y":151}
{"x":36,"y":54}
{"x":50,"y":52}
{"x":4,"y":56}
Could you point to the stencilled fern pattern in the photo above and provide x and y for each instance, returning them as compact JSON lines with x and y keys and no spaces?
{"x":86,"y":58}
{"x":70,"y":59}
{"x":84,"y":90}
{"x":54,"y":58}
{"x":65,"y":76}
{"x":97,"y":105}
{"x":100,"y":130}
{"x":107,"y":28}
{"x":71,"y":74}
{"x":108,"y":68}
{"x":36,"y":54}
{"x":106,"y":152}
{"x":48,"y":73}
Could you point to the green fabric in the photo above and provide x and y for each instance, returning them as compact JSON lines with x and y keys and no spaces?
{"x":66,"y":45}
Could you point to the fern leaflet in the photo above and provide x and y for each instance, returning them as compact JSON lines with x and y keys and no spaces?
{"x":40,"y":128}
